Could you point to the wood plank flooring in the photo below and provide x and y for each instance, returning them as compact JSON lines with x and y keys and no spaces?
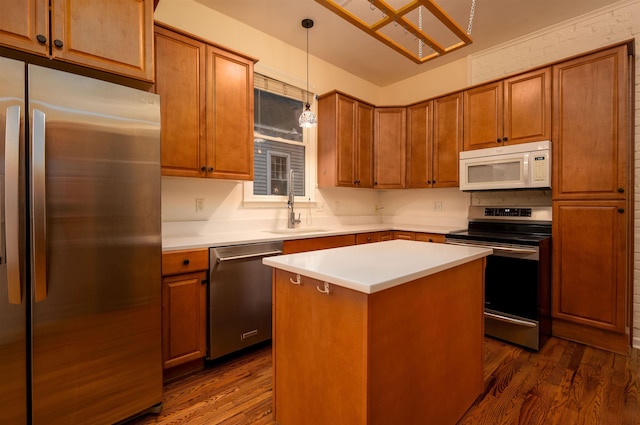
{"x":565,"y":383}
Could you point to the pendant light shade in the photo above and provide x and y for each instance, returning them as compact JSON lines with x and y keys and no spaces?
{"x":307,"y":118}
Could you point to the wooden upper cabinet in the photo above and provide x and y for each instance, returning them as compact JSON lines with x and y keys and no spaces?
{"x":447,"y":140}
{"x":345,"y":142}
{"x":180,"y":82}
{"x":114,"y":36}
{"x":390,"y":141}
{"x":420,"y":145}
{"x":229,"y":115}
{"x":590,"y":147}
{"x":510,"y":111}
{"x":206,"y":107}
{"x":22,"y":23}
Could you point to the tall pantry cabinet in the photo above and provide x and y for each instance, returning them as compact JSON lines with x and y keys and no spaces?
{"x":592,"y":200}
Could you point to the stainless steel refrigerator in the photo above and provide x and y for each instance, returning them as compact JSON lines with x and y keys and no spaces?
{"x":80,"y":248}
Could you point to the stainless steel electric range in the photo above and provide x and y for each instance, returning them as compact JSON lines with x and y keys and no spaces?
{"x":518,"y":273}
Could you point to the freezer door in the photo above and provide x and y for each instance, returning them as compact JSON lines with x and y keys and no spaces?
{"x":13,"y":324}
{"x":96,"y":249}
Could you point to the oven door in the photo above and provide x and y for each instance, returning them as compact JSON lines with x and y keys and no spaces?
{"x":511,"y":293}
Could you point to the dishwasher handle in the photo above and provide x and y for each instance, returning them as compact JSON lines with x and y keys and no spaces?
{"x":253,"y":255}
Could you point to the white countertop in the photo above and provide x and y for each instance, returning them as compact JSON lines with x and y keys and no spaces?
{"x":371,"y":268}
{"x":176,"y":242}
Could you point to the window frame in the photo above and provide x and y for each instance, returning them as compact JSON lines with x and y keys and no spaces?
{"x":309,"y":141}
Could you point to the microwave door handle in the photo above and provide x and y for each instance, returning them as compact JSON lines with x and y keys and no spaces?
{"x":12,"y":204}
{"x":38,"y":205}
{"x":526,"y":169}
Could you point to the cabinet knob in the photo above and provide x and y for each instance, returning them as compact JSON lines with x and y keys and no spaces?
{"x":375,"y":183}
{"x":434,"y":182}
{"x":499,"y":140}
{"x":430,"y":240}
{"x":203,"y":281}
{"x":41,"y":39}
{"x":620,"y":210}
{"x":186,"y":261}
{"x":368,"y":238}
{"x":58,"y":43}
{"x":210,"y":169}
{"x":505,"y":139}
{"x":620,"y":190}
{"x":203,"y":168}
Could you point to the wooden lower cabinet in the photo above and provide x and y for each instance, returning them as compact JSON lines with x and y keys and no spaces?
{"x":411,"y":354}
{"x":374,"y":237}
{"x":401,"y":234}
{"x":590,"y":289}
{"x":313,"y":244}
{"x":430,"y":237}
{"x":184,"y":306}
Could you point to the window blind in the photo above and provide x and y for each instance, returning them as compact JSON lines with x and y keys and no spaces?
{"x":272,"y":85}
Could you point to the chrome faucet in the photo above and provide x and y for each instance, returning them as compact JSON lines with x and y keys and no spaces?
{"x":291,"y":223}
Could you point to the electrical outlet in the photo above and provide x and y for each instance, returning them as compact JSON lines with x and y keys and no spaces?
{"x":199,"y":204}
{"x":437,"y":205}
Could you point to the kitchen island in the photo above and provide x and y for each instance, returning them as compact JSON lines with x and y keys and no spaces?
{"x":377,"y":334}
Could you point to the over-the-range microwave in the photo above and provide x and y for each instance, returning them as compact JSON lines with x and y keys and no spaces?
{"x":522,"y":166}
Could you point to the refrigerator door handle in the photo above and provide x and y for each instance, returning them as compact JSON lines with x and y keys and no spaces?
{"x":38,"y":206}
{"x":11,"y":203}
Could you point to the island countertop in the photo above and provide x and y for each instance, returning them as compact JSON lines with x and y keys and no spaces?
{"x":371,"y":268}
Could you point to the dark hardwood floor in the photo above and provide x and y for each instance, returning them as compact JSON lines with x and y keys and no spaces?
{"x":565,"y":384}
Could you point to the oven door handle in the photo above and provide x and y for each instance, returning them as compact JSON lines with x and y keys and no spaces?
{"x":497,"y":247}
{"x":510,"y":320}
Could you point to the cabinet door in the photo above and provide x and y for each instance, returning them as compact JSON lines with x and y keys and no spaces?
{"x":447,"y":140}
{"x":113,"y":36}
{"x":312,"y":244}
{"x":419,"y":145}
{"x":184,"y":318}
{"x":21,"y":22}
{"x":483,"y":113}
{"x":180,"y":81}
{"x":364,"y":146}
{"x":332,"y":378}
{"x":590,"y":273}
{"x":346,"y":141}
{"x":590,"y":148}
{"x":229,"y":115}
{"x":390,"y":135}
{"x":527,"y":107}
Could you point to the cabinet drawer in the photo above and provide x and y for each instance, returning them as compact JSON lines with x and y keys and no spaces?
{"x":186,"y":261}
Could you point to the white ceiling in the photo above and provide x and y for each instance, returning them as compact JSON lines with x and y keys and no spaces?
{"x":336,"y":41}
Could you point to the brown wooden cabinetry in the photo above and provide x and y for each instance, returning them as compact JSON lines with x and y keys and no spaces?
{"x":345,"y":141}
{"x":510,"y":111}
{"x":207,"y":108}
{"x":592,"y":207}
{"x":313,"y":244}
{"x":390,"y":141}
{"x":113,"y":36}
{"x":430,"y":237}
{"x":380,"y":358}
{"x":434,"y":140}
{"x":401,"y":234}
{"x":371,"y":237}
{"x":184,"y":306}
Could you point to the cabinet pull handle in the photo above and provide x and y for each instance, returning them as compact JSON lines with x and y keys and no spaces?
{"x":620,"y":210}
{"x":41,"y":39}
{"x":58,"y":43}
{"x":325,"y":290}
{"x":297,"y":281}
{"x":186,"y":261}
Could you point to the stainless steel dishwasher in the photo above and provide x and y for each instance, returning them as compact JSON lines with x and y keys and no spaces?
{"x":239,"y":297}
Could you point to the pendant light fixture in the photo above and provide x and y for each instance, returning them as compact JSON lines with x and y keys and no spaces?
{"x":307,"y":118}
